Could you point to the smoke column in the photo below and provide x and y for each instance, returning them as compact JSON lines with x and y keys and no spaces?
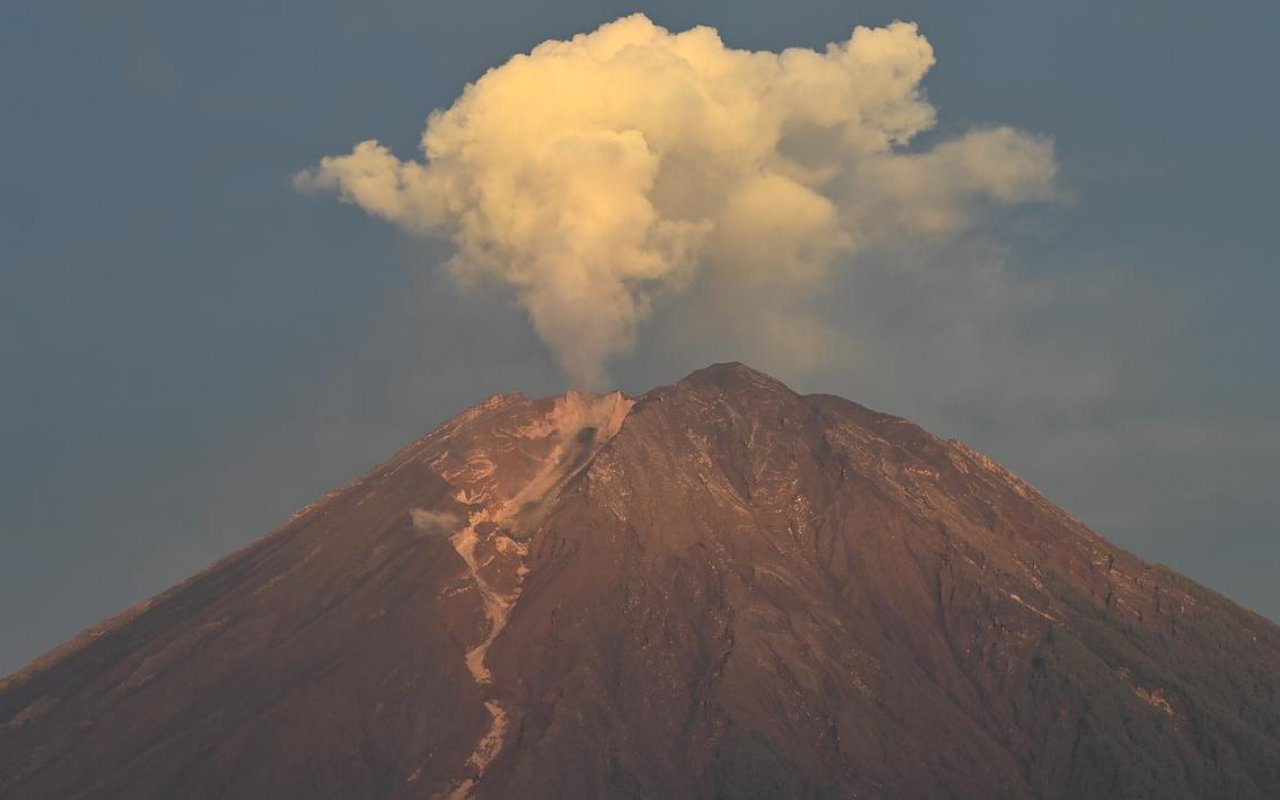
{"x":597,"y":175}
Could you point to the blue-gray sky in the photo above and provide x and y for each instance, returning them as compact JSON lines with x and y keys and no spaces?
{"x":190,"y":349}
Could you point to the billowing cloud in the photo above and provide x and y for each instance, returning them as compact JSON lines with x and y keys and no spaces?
{"x":597,"y":175}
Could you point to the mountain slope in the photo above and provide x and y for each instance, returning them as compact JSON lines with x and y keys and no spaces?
{"x":720,"y":588}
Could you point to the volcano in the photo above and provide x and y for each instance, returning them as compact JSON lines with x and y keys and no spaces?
{"x":719,"y":588}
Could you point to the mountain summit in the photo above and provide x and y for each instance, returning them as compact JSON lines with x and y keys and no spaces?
{"x":719,"y":588}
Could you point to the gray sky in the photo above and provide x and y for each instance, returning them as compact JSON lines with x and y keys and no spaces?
{"x":190,"y":350}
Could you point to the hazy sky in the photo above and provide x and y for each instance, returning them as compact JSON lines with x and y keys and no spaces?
{"x":190,"y":349}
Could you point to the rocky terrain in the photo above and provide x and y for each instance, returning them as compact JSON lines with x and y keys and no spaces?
{"x":719,"y":588}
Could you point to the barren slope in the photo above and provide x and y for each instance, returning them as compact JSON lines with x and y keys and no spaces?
{"x":720,"y":588}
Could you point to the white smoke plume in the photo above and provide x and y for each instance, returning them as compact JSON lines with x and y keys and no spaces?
{"x":595,"y":175}
{"x":431,"y":523}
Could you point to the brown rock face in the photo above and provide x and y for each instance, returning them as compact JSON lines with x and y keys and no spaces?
{"x":718,"y":589}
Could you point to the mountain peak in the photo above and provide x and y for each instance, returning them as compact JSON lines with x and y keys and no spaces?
{"x":732,"y":376}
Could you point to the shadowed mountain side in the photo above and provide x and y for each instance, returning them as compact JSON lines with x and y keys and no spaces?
{"x":718,"y":589}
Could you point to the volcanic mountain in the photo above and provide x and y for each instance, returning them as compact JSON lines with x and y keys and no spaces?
{"x":719,"y":588}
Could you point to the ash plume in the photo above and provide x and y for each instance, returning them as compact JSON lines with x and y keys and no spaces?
{"x":597,"y":175}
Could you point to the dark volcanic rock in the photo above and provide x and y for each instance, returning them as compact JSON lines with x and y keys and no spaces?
{"x":718,"y":589}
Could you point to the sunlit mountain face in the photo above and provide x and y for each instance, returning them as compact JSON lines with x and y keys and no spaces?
{"x":718,"y":588}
